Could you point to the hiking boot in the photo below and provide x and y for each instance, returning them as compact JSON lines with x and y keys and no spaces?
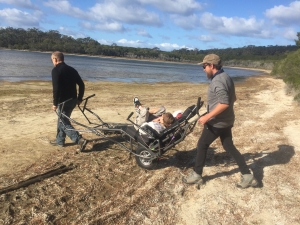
{"x":193,"y":178}
{"x":247,"y":180}
{"x":82,"y":143}
{"x":136,"y":102}
{"x":53,"y":143}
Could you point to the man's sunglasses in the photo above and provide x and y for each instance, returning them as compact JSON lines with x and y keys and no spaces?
{"x":205,"y":65}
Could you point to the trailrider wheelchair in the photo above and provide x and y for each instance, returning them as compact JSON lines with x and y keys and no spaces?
{"x":146,"y":148}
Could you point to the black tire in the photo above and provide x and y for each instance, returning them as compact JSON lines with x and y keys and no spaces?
{"x":144,"y":162}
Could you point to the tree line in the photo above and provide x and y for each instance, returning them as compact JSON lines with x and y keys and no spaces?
{"x":34,"y":39}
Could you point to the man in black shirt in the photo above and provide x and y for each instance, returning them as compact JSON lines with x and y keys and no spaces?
{"x":64,"y":81}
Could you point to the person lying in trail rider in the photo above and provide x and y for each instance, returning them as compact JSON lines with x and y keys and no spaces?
{"x":159,"y":124}
{"x":155,"y":118}
{"x":146,"y":114}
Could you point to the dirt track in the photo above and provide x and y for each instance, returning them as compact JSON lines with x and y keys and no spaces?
{"x":105,"y":186}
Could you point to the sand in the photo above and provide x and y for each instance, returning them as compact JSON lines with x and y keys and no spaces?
{"x":104,"y":184}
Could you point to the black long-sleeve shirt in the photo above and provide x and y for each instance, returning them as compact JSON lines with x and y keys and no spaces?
{"x":64,"y":80}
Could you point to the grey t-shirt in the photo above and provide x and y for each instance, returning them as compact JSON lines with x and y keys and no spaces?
{"x":221,"y":90}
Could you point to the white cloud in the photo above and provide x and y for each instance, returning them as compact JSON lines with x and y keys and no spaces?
{"x":144,"y":33}
{"x":285,"y":15}
{"x":18,"y":18}
{"x":142,"y":44}
{"x":186,"y":22}
{"x":106,"y":26}
{"x":64,"y":7}
{"x":131,"y":43}
{"x":182,"y":7}
{"x":105,"y":42}
{"x":290,"y":34}
{"x":129,"y":13}
{"x":108,"y":16}
{"x":107,"y":12}
{"x":123,"y":41}
{"x":20,"y":3}
{"x":235,"y":26}
{"x":112,"y":27}
{"x":68,"y":32}
{"x":169,"y":46}
{"x":206,"y":38}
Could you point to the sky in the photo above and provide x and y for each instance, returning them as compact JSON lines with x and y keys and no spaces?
{"x":163,"y":24}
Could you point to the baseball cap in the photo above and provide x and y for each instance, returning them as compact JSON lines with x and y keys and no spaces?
{"x":212,"y":59}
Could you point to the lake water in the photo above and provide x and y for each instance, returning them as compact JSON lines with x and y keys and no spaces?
{"x":21,"y":66}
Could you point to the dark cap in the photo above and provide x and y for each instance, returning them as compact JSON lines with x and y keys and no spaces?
{"x":212,"y":59}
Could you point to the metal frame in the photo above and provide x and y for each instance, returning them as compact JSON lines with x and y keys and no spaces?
{"x":157,"y":146}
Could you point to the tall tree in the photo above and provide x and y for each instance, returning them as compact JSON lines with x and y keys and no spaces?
{"x":298,"y":41}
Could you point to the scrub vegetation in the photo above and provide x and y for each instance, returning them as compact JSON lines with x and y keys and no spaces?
{"x":288,"y":69}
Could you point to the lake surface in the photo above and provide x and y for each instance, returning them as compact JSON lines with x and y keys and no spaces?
{"x":21,"y":66}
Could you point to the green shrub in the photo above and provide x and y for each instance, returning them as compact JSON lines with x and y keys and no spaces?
{"x":289,"y":70}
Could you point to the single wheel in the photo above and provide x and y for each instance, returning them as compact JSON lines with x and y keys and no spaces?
{"x":143,"y":160}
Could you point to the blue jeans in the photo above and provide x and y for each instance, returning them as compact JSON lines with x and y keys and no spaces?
{"x":64,"y":127}
{"x":209,"y":134}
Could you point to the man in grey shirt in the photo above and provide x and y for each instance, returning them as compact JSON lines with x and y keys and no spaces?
{"x":218,"y":122}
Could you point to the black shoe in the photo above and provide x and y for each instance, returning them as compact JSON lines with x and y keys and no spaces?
{"x":53,"y":143}
{"x":82,"y":143}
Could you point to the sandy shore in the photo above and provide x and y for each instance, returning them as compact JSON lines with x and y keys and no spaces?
{"x":106,"y":186}
{"x":254,"y":69}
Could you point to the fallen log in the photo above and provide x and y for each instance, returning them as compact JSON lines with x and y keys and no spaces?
{"x":38,"y":178}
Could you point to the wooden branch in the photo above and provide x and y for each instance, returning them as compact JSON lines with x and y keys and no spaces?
{"x":38,"y":178}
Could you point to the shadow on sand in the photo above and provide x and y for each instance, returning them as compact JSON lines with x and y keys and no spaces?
{"x":259,"y":161}
{"x":185,"y":159}
{"x":102,"y":144}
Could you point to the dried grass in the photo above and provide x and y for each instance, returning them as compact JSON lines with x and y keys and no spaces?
{"x":107,"y":187}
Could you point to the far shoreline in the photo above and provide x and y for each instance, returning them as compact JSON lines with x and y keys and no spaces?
{"x":145,"y":60}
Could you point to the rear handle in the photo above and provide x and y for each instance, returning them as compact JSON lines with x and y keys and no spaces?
{"x":62,"y":103}
{"x":89,"y":97}
{"x":198,"y":104}
{"x":130,"y":115}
